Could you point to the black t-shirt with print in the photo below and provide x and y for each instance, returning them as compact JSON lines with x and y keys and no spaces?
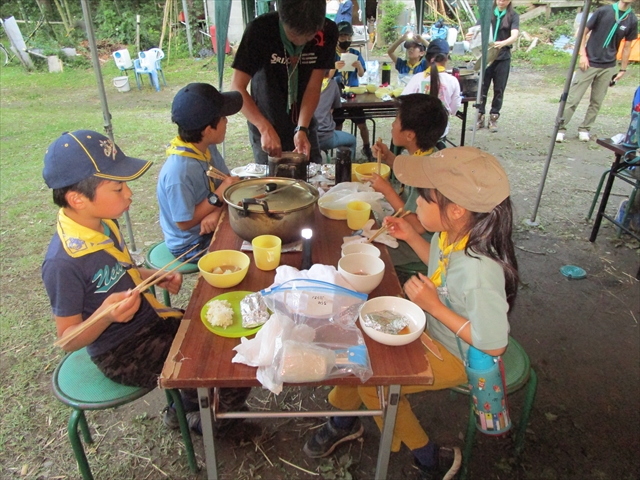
{"x":261,"y":55}
{"x":600,"y":24}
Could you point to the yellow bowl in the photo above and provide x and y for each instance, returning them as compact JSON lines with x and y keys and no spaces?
{"x":222,"y":258}
{"x":371,"y":88}
{"x":358,"y":90}
{"x":364,"y":170}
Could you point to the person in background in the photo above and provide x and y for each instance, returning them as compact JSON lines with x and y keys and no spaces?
{"x":472,"y":285}
{"x":284,"y":55}
{"x":505,"y":25}
{"x":328,"y":137}
{"x":351,"y":79}
{"x":415,"y":46}
{"x":605,"y":29}
{"x":190,"y":201}
{"x":345,"y":12}
{"x":435,"y":80}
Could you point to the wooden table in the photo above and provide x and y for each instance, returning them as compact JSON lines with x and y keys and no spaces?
{"x":199,"y":359}
{"x":623,"y":160}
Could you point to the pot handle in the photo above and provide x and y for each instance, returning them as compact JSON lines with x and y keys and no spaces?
{"x":254,"y":201}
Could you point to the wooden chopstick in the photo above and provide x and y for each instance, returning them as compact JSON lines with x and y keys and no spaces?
{"x":149,"y":282}
{"x":379,"y":155}
{"x":215,"y":173}
{"x":384,"y":227}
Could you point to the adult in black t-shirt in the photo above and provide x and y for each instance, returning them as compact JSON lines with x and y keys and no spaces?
{"x":284,"y":55}
{"x":606,"y":28}
{"x":505,"y":27}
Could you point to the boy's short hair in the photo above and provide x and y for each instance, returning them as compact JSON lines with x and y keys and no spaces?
{"x":424,"y":115}
{"x":76,"y":156}
{"x":86,"y":187}
{"x":345,"y":28}
{"x":199,"y":104}
{"x":302,"y":16}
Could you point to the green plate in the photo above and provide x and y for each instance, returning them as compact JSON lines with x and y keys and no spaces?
{"x":232,"y":331}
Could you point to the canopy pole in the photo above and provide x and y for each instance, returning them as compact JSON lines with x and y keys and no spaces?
{"x":559,"y":117}
{"x":185,"y":9}
{"x":106,"y":115}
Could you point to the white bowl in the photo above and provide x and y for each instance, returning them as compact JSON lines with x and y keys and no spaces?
{"x":409,"y":310}
{"x":363,"y":272}
{"x":358,"y":247}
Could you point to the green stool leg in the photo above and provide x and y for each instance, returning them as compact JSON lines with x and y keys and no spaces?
{"x":528,"y":405}
{"x":468,"y":442}
{"x":173,"y":397}
{"x":77,"y":416}
{"x":597,"y":194}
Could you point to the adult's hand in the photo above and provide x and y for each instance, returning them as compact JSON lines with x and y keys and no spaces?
{"x":301,"y":143}
{"x":270,"y":141}
{"x":584,"y":63}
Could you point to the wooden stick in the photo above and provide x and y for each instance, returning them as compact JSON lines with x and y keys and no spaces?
{"x":379,"y":155}
{"x":384,"y":227}
{"x":215,"y":173}
{"x":61,"y":342}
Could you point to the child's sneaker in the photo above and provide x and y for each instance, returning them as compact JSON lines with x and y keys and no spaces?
{"x":170,"y":419}
{"x":329,"y":437}
{"x":449,"y":463}
{"x":583,"y":136}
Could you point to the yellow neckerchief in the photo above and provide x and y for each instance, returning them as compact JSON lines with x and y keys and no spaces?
{"x":325,"y":84}
{"x":187,"y":149}
{"x":427,"y":72}
{"x":445,"y":253}
{"x":79,"y":241}
{"x":422,"y":153}
{"x":411,"y":67}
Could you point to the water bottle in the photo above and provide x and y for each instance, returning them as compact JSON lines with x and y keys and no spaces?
{"x":487,"y":390}
{"x":386,"y":74}
{"x":343,"y":165}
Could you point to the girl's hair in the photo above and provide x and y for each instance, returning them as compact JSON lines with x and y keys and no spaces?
{"x":509,"y":14}
{"x":86,"y":187}
{"x":489,"y":235}
{"x":434,"y":75}
{"x":427,"y":117}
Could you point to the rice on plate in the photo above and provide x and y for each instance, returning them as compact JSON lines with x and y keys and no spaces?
{"x":220,"y":313}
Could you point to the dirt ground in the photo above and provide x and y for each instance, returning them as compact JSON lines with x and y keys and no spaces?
{"x":581,"y":335}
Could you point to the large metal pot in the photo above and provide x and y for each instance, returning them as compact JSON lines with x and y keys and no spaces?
{"x":469,"y":80}
{"x":271,"y":205}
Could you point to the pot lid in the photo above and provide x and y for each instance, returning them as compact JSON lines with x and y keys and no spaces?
{"x":280,"y":194}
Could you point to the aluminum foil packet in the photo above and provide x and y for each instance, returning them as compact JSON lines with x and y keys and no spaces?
{"x":386,"y":321}
{"x":254,"y":310}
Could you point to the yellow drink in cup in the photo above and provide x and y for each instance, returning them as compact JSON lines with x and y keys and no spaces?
{"x":266,"y":251}
{"x":358,"y":213}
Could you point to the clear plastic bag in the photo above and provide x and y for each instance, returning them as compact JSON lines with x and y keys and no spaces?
{"x":336,"y":348}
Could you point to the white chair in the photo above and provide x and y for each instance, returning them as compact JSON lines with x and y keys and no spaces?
{"x":359,"y":39}
{"x":123,"y":60}
{"x":141,"y":69}
{"x":151,"y":59}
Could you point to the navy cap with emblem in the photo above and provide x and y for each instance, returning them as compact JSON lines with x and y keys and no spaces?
{"x":75,"y":156}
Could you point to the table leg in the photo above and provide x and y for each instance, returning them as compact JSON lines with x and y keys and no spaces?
{"x":204,"y":400}
{"x":605,"y":198}
{"x":389,"y":423}
{"x":464,"y":122}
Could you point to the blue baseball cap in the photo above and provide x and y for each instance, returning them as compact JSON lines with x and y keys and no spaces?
{"x":198,"y":104}
{"x":78,"y":155}
{"x":437,"y":46}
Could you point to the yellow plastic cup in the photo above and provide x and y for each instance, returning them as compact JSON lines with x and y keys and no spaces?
{"x":358,"y":213}
{"x":266,"y":251}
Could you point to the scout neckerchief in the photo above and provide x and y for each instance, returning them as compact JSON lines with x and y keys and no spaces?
{"x":427,"y":72}
{"x":422,"y":153}
{"x":79,"y":241}
{"x":292,"y":52}
{"x":325,"y":84}
{"x":413,"y":66}
{"x":186,"y":149}
{"x":616,"y":24}
{"x":439,"y":276}
{"x":499,"y":14}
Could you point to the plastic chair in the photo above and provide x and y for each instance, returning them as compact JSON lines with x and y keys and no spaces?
{"x":78,"y":383}
{"x":518,"y":373}
{"x":158,"y":256}
{"x":151,"y":60}
{"x":123,"y":60}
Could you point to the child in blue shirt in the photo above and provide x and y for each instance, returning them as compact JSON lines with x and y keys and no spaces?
{"x":416,"y":47}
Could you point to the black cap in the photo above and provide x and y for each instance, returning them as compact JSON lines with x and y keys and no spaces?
{"x":411,"y":43}
{"x":345,"y":28}
{"x":196,"y":105}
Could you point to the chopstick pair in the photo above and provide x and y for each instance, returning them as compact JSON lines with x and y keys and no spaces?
{"x":148,"y":283}
{"x":384,"y":228}
{"x":215,"y":173}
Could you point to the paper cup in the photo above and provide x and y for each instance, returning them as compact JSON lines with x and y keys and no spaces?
{"x":266,"y":251}
{"x":358,"y":213}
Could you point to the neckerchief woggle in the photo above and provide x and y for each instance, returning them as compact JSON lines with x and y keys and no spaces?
{"x":616,"y":24}
{"x":293,"y":53}
{"x":187,"y":149}
{"x":499,"y":14}
{"x":438,"y":277}
{"x":79,"y":241}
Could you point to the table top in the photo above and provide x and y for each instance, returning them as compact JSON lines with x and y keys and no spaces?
{"x":200,"y":359}
{"x":617,"y":148}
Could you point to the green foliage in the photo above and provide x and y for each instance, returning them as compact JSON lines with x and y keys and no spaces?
{"x":387,"y":24}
